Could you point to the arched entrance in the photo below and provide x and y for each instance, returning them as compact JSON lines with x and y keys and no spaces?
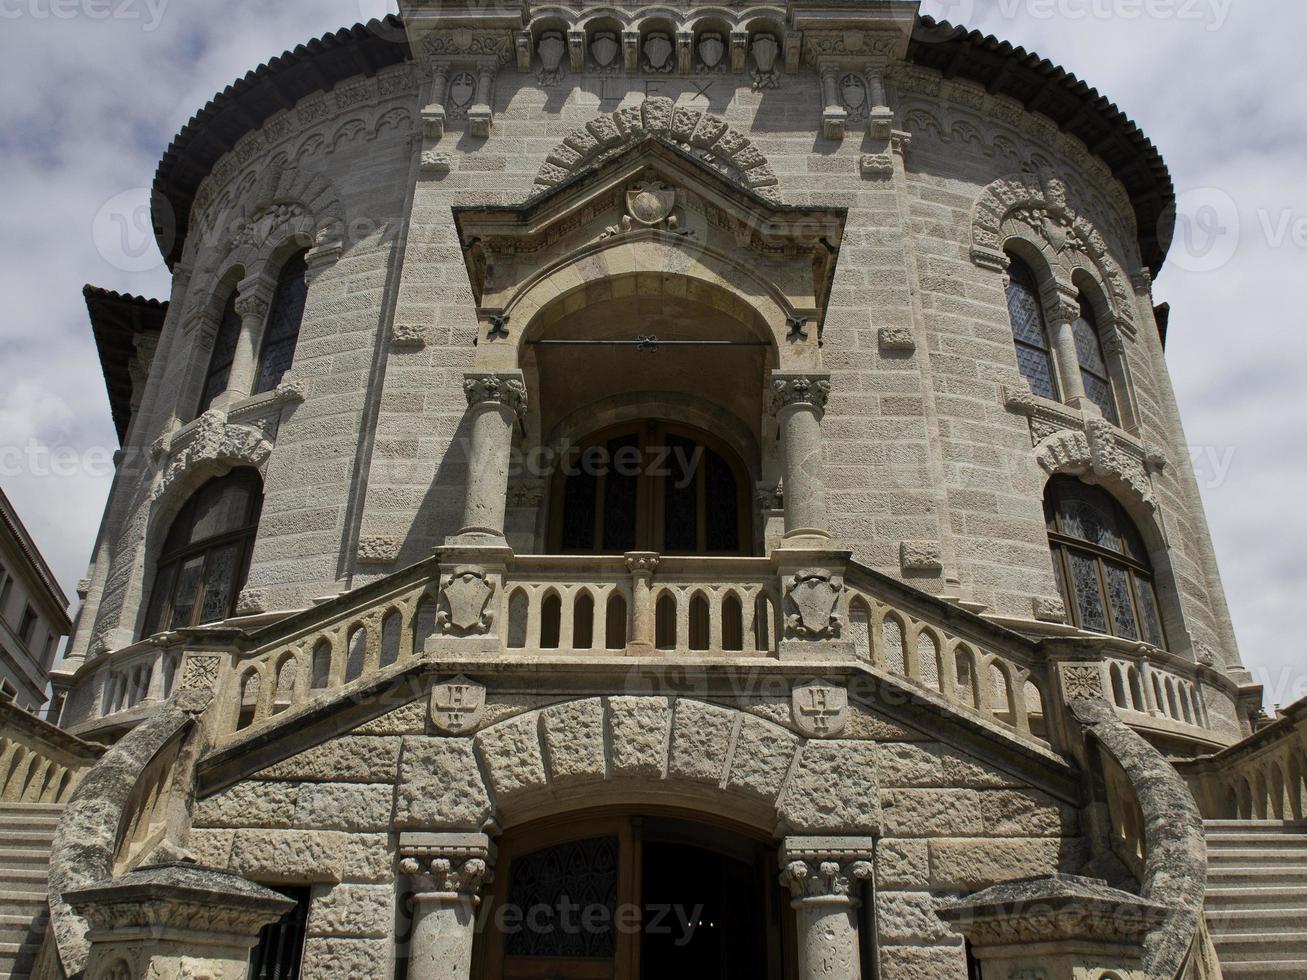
{"x":627,"y":895}
{"x":651,"y":486}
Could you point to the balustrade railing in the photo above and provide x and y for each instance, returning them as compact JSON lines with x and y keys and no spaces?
{"x":38,"y":762}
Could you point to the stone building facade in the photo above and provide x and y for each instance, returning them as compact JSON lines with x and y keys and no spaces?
{"x":712,"y":464}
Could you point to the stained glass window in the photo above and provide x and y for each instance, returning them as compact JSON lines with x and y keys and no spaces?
{"x":206,"y":554}
{"x":282,"y":332}
{"x":1100,"y":563}
{"x":1026,"y":312}
{"x":1093,"y":365}
{"x":224,"y":352}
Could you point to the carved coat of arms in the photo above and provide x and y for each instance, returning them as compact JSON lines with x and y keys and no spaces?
{"x":650,"y":202}
{"x":464,"y":596}
{"x":812,"y":597}
{"x":820,"y":710}
{"x":457,"y":706}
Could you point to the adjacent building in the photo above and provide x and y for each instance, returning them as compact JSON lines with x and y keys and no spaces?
{"x":33,"y":615}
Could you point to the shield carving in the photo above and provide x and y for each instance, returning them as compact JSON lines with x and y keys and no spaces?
{"x":813,"y":596}
{"x":854,"y":90}
{"x":651,"y":203}
{"x":604,"y":49}
{"x":457,"y":706}
{"x":820,"y":710}
{"x":463,"y":599}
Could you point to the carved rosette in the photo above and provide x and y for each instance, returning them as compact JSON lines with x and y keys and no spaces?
{"x":812,"y":391}
{"x":1082,"y":681}
{"x":496,"y":389}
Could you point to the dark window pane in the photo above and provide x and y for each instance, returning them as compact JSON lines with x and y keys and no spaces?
{"x":1118,"y":592}
{"x":187,"y":592}
{"x":283,"y":329}
{"x":1037,"y":368}
{"x":581,"y":874}
{"x":1152,"y":621}
{"x":1059,"y":574}
{"x":224,"y":351}
{"x":1088,"y":349}
{"x":722,"y":505}
{"x":620,"y":493}
{"x":1099,"y":391}
{"x":680,"y":496}
{"x":219,"y":583}
{"x":159,"y":599}
{"x":1024,"y":306}
{"x":1089,"y":597}
{"x":579,"y":492}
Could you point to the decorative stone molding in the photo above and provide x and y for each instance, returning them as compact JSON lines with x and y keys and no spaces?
{"x":435,"y":162}
{"x":213,"y":443}
{"x":811,"y":599}
{"x":1081,"y":681}
{"x":251,"y":602}
{"x":799,"y":389}
{"x":409,"y":336}
{"x":820,"y":710}
{"x":1037,"y":204}
{"x":200,"y":672}
{"x":451,"y":864}
{"x":503,"y":389}
{"x":379,"y":549}
{"x":700,"y":134}
{"x":642,"y":562}
{"x":465,"y":594}
{"x":876,"y":166}
{"x":921,"y":556}
{"x":458,"y":706}
{"x":1048,"y":609}
{"x":897,"y":339}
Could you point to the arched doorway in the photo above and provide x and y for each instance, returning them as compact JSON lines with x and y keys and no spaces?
{"x":623,"y":895}
{"x":651,"y":486}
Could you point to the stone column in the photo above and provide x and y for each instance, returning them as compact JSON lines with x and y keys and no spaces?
{"x":253,"y":300}
{"x":642,"y":565}
{"x":481,"y":115}
{"x":446,"y":872}
{"x":1062,"y":313}
{"x":495,"y":402}
{"x":825,"y":876}
{"x":798,"y":400}
{"x":174,"y":920}
{"x":833,"y":115}
{"x":433,"y":116}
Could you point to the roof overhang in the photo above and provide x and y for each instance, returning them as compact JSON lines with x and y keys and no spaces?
{"x":118,"y":321}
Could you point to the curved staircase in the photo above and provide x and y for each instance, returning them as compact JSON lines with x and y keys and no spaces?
{"x":1257,"y":897}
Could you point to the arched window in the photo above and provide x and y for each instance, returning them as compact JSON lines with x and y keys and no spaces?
{"x":206,"y":555}
{"x":1029,"y":332}
{"x":282,"y":332}
{"x":224,"y":352}
{"x":1093,"y":365}
{"x":1101,"y":564}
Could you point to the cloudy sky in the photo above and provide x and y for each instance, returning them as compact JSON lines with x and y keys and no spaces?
{"x":92,"y":100}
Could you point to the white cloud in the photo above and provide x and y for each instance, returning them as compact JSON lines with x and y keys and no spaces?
{"x":91,"y":104}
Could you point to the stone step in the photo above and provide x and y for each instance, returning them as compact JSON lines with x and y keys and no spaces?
{"x":28,"y":825}
{"x":1272,"y":945}
{"x":1258,"y":826}
{"x":1220,"y":876}
{"x":15,"y":856}
{"x":23,"y":879}
{"x":1263,"y":969}
{"x":22,"y":901}
{"x":1267,"y":896}
{"x":1237,"y":920}
{"x":31,"y":840}
{"x":1282,"y":857}
{"x":1232,"y":839}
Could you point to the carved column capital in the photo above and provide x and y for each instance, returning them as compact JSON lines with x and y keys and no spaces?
{"x":642,"y":562}
{"x":826,"y":869}
{"x":254,"y":296}
{"x":799,"y":389}
{"x":507,"y":389}
{"x":449,"y":867}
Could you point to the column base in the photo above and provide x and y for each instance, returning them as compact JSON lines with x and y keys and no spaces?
{"x":807,"y":538}
{"x":477,"y":537}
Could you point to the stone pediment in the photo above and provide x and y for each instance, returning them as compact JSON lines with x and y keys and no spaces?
{"x":653,"y":190}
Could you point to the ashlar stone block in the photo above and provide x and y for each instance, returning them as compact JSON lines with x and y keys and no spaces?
{"x":440,"y":785}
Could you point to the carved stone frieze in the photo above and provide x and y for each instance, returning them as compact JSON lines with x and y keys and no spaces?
{"x":876,"y":166}
{"x":436,"y":162}
{"x":899,"y":339}
{"x":409,"y":336}
{"x":378,"y":549}
{"x":251,"y":602}
{"x":702,"y":135}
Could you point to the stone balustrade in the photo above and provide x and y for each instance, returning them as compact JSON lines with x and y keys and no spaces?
{"x":1262,"y":778}
{"x":38,"y":762}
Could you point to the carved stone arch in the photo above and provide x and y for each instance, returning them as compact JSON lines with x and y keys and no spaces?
{"x":1095,"y":456}
{"x":702,"y":135}
{"x":599,"y":14}
{"x":1037,"y":209}
{"x":677,"y":752}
